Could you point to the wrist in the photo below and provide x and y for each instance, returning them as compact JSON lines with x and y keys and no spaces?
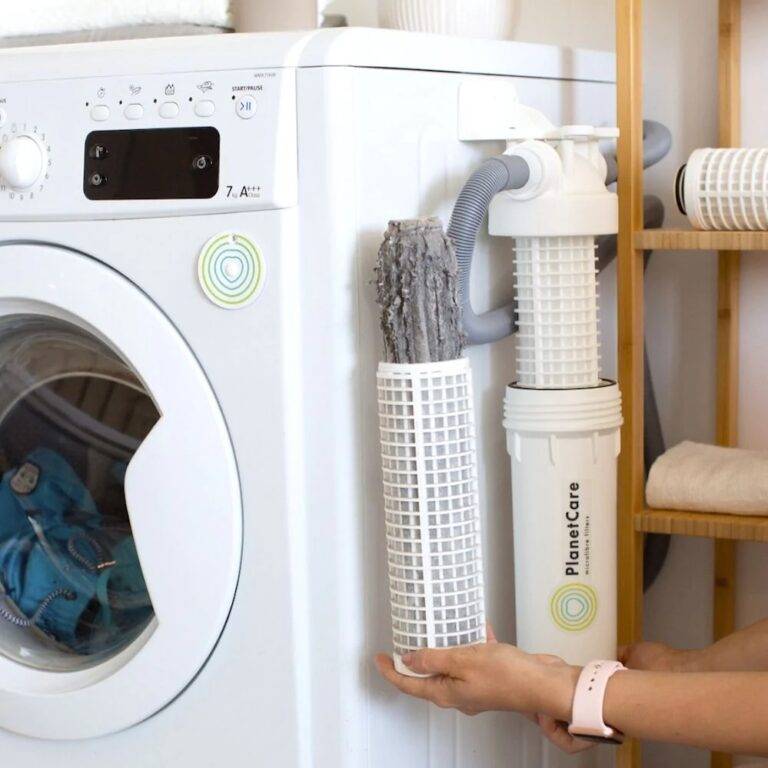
{"x":558,"y":690}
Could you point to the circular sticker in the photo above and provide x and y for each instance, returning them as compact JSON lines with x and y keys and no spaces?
{"x":231,"y":270}
{"x":574,"y":607}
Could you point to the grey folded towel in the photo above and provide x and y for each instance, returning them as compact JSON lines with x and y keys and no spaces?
{"x":708,"y":478}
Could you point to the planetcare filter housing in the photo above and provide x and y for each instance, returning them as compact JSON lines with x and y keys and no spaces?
{"x":429,"y":464}
{"x":562,"y":420}
{"x":564,"y":445}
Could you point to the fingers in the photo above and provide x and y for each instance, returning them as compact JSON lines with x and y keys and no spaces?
{"x":490,"y":635}
{"x":558,"y":734}
{"x":413,"y":686}
{"x":435,"y":689}
{"x":623,"y":653}
{"x":432,"y":661}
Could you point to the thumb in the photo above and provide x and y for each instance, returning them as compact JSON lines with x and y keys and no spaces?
{"x":623,"y":653}
{"x":432,"y":661}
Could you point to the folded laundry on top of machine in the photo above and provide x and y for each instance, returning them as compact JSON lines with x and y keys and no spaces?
{"x":709,"y":478}
{"x":62,"y":568}
{"x":44,"y":18}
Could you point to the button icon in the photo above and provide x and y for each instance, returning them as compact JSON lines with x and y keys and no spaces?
{"x":170,"y":89}
{"x":202,"y":162}
{"x":205,"y":86}
{"x":134,"y":90}
{"x":246,"y":107}
{"x":101,"y":93}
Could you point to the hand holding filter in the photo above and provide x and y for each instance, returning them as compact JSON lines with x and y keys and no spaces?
{"x":429,"y":463}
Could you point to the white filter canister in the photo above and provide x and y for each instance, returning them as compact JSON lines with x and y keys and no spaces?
{"x":564,"y":447}
{"x":429,"y":465}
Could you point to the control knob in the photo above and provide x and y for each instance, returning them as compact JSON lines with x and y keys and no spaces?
{"x":22,"y":162}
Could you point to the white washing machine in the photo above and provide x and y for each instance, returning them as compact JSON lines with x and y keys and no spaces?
{"x":191,"y":535}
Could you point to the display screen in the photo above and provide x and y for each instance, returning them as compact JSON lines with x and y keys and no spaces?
{"x":152,"y":164}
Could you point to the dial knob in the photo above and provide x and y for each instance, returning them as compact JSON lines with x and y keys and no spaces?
{"x":21,"y":162}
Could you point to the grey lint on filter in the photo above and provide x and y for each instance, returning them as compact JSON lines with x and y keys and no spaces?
{"x":417,"y":290}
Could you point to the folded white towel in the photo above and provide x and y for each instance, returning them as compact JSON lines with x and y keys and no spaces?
{"x":38,"y":17}
{"x":707,"y":478}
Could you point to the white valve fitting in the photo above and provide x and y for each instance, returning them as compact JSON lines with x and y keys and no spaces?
{"x":565,"y":196}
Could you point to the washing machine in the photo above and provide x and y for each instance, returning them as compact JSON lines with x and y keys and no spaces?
{"x":191,"y":532}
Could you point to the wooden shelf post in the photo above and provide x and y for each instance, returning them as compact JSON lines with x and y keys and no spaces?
{"x":629,"y":62}
{"x":729,"y":130}
{"x":634,"y":519}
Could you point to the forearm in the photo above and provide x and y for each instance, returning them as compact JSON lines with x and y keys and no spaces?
{"x":721,"y":711}
{"x":745,"y":650}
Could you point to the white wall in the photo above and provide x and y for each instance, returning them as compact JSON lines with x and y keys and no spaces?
{"x":578,"y":23}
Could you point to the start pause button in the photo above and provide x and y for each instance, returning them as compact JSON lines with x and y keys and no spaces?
{"x":245,"y":107}
{"x":231,"y":270}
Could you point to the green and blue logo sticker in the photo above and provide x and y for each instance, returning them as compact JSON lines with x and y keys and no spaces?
{"x":231,"y":270}
{"x":574,"y":607}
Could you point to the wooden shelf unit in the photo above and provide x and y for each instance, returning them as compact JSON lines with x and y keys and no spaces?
{"x":635,"y":519}
{"x":706,"y":524}
{"x":693,"y":240}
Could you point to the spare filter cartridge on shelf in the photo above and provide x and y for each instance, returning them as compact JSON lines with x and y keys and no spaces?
{"x":562,"y":420}
{"x":429,"y":462}
{"x":725,"y":189}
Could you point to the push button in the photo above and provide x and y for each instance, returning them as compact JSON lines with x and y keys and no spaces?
{"x":205,"y":108}
{"x":100,"y":112}
{"x":245,"y":107}
{"x":169,"y":109}
{"x":134,"y":112}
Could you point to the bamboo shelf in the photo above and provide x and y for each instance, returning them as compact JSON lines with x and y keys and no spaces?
{"x":634,"y":518}
{"x":693,"y":240}
{"x":708,"y":525}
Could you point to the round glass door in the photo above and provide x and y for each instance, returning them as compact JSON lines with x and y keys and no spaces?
{"x":72,"y":415}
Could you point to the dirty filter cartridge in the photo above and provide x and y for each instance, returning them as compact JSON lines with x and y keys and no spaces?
{"x":428,"y":454}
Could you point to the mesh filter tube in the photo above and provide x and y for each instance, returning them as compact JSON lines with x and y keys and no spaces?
{"x":556,"y":290}
{"x":429,"y":463}
{"x":725,"y":189}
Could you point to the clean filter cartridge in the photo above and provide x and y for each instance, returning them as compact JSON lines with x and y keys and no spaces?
{"x":725,"y":188}
{"x":429,"y":463}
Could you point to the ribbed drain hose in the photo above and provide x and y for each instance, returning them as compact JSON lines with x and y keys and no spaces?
{"x":493,"y":176}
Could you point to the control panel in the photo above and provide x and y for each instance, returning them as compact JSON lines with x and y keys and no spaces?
{"x":154,"y":145}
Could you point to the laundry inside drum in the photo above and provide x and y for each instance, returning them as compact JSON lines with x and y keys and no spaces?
{"x":72,"y":415}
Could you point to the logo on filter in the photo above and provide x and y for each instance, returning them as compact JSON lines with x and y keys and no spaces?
{"x":574,"y":607}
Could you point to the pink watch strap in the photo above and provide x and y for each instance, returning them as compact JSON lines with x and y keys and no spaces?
{"x":587,"y":717}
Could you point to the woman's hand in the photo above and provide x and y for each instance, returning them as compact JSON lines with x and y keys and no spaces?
{"x":494,"y":676}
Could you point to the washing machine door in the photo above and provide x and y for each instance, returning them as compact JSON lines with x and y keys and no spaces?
{"x":120,"y":509}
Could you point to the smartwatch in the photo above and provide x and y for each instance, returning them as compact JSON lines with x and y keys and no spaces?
{"x":587,"y":718}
